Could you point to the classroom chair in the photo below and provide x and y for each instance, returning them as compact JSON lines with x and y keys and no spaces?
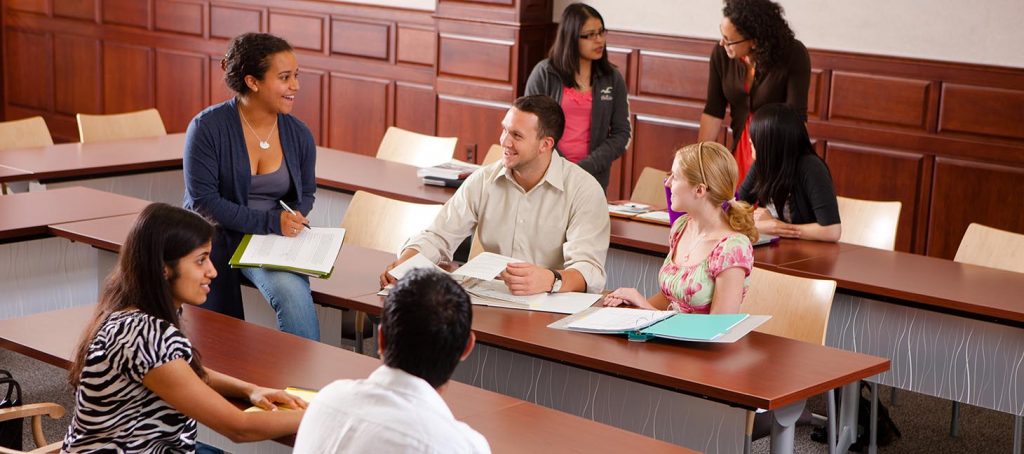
{"x":415,"y":149}
{"x":869,"y":223}
{"x":493,"y":155}
{"x":650,"y":188}
{"x":377,"y":222}
{"x":994,"y":248}
{"x":129,"y":125}
{"x":799,"y":308}
{"x":25,"y":133}
{"x":36,"y":412}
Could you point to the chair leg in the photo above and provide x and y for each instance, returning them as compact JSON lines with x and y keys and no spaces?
{"x":830,"y":398}
{"x":954,"y":420}
{"x":360,"y":320}
{"x":873,"y":440}
{"x":892,"y":396}
{"x":749,"y":433}
{"x":1018,"y":427}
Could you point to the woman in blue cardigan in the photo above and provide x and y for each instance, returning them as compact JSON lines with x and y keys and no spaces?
{"x":245,"y":156}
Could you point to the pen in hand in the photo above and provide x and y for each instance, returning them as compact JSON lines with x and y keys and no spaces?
{"x":289,"y":210}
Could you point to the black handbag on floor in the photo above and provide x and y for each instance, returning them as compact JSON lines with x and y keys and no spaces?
{"x":10,"y":396}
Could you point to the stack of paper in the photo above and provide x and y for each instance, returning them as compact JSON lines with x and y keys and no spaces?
{"x":450,"y":174}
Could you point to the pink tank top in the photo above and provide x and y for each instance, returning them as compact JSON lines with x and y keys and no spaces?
{"x":575,"y":142}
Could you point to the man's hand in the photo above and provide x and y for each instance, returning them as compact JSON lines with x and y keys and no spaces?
{"x":387,"y":279}
{"x":527,"y":279}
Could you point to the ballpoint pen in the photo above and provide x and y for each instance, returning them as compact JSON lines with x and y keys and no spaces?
{"x":288,"y":209}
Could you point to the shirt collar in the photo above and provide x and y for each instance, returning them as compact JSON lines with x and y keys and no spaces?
{"x":400,"y":381}
{"x":555,"y":176}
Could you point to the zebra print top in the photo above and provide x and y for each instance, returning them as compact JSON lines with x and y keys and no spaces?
{"x":114,"y":411}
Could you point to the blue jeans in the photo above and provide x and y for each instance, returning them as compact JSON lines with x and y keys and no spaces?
{"x":289,"y":295}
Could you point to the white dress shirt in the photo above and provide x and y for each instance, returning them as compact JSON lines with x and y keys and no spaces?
{"x":561,"y":223}
{"x":391,"y":411}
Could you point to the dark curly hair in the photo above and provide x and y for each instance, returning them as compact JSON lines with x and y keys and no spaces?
{"x":249,"y":55}
{"x":761,"y":21}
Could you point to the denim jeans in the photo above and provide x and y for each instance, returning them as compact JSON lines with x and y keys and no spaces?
{"x":289,"y":295}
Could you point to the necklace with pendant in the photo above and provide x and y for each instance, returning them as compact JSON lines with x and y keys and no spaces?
{"x":264,"y":144}
{"x":696,"y":242}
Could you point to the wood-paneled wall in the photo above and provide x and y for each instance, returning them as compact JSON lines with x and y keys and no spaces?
{"x":946,"y":139}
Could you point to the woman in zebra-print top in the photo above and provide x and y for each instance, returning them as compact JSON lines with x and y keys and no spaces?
{"x":141,"y":386}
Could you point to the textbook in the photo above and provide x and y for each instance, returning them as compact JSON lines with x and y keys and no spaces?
{"x":443,"y":182}
{"x":642,"y":325}
{"x":304,"y":394}
{"x":627,"y":209}
{"x":495,"y":293}
{"x":312,"y":252}
{"x":451,"y":170}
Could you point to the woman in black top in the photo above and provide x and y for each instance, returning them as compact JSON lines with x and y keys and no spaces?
{"x":758,"y":61}
{"x":790,"y":183}
{"x":592,"y":93}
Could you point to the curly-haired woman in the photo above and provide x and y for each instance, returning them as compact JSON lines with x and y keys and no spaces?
{"x":758,"y":61}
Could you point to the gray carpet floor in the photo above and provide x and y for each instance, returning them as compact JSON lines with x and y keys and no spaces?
{"x":923,"y":420}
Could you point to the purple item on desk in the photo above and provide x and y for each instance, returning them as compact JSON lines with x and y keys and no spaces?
{"x":672,"y":215}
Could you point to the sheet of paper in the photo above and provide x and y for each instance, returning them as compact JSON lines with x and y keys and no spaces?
{"x":485,"y":266}
{"x":618,"y":320}
{"x":313,"y":249}
{"x":564,"y":303}
{"x":415,"y":262}
{"x":494,"y":289}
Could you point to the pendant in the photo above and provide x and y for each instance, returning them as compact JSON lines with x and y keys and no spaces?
{"x":264,"y":145}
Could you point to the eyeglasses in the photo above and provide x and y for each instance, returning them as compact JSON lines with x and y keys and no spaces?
{"x":594,"y":34}
{"x":726,"y":42}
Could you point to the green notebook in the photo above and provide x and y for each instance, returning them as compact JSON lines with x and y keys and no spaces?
{"x":700,"y":327}
{"x":312,"y":253}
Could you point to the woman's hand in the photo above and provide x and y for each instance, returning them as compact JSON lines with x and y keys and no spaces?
{"x":628,"y":297}
{"x":292,"y":224}
{"x":269,"y":398}
{"x":776,"y":227}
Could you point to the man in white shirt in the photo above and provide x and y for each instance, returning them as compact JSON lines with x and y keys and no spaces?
{"x":424,"y":333}
{"x":533,"y":205}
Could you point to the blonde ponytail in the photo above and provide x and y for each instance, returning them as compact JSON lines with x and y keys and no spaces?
{"x":740,"y":216}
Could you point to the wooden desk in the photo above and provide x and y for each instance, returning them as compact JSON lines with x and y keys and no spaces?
{"x":12,"y":174}
{"x":351,"y":172}
{"x":29,"y":214}
{"x":91,"y":160}
{"x":41,"y":273}
{"x":244,"y":350}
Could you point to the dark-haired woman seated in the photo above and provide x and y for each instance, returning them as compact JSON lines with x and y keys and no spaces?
{"x":245,"y":159}
{"x":789,"y":181}
{"x":140,"y":386}
{"x":590,"y":90}
{"x":758,"y":61}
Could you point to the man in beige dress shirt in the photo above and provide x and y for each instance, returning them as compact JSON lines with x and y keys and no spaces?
{"x":532,"y":205}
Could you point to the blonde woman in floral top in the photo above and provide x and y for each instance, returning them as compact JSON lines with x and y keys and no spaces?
{"x":710,"y":254}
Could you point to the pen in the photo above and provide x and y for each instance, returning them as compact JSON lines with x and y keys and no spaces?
{"x":288,"y":209}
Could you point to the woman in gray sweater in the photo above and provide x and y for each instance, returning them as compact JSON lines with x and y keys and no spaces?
{"x":590,"y":90}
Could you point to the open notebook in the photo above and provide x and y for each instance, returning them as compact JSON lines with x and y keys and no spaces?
{"x":642,"y":325}
{"x":312,"y":252}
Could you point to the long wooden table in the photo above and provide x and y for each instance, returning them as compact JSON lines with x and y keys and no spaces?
{"x":272,"y":358}
{"x":720,"y":376}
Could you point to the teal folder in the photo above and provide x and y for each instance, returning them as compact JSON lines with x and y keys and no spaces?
{"x":701,"y":327}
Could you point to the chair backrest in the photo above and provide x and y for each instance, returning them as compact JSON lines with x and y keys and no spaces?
{"x":799,"y":306}
{"x":129,"y":125}
{"x":869,"y":223}
{"x":25,"y":133}
{"x":415,"y":149}
{"x":384,"y":224}
{"x":493,"y":155}
{"x":650,"y":188}
{"x":994,"y":248}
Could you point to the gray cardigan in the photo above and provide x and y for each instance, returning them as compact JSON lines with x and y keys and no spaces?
{"x":609,"y":116}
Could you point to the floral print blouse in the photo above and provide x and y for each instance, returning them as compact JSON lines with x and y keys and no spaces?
{"x":691,"y":288}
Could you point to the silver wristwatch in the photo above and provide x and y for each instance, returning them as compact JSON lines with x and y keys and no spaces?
{"x":557,"y":285}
